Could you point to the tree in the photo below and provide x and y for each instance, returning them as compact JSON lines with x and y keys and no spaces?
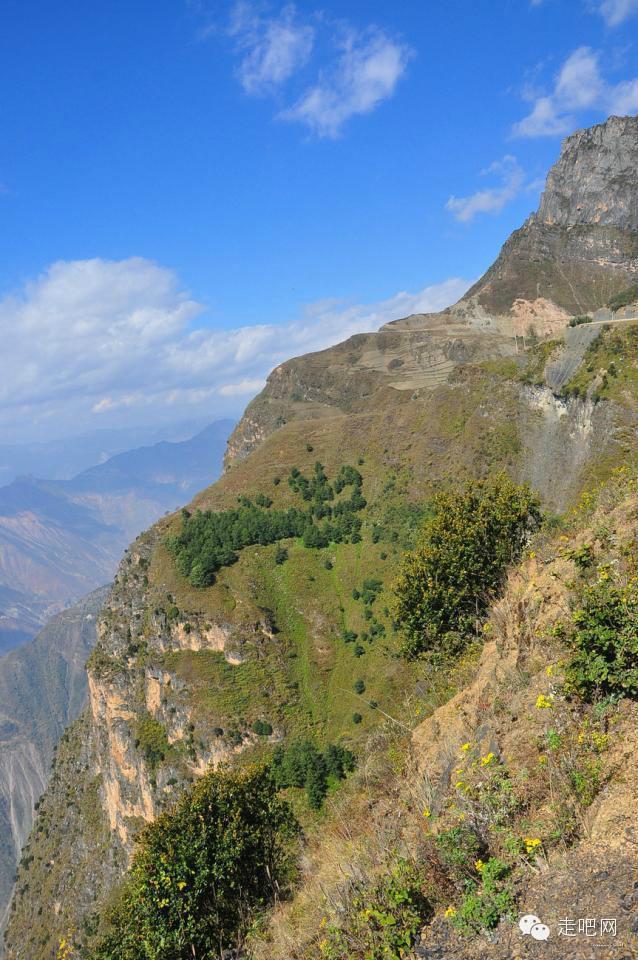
{"x":464,"y":550}
{"x":201,"y":872}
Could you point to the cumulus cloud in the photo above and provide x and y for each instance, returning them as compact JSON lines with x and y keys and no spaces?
{"x":579,"y":86}
{"x":616,"y":12}
{"x":491,"y":199}
{"x":272,"y":48}
{"x":367,"y":72}
{"x":97,"y":342}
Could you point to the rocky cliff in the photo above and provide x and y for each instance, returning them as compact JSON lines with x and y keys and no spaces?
{"x":42,"y":689}
{"x":181,"y":675}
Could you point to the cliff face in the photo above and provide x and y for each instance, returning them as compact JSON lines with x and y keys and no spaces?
{"x":594,"y":180}
{"x":42,"y":689}
{"x":581,"y":247}
{"x":180,"y":676}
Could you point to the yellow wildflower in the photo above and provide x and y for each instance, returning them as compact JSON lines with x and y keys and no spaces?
{"x":459,"y":785}
{"x":543,"y":702}
{"x":542,"y":760}
{"x":478,"y":864}
{"x":450,"y":912}
{"x":531,"y":843}
{"x":487,"y":759}
{"x":427,"y":813}
{"x":465,"y":747}
{"x":549,"y":670}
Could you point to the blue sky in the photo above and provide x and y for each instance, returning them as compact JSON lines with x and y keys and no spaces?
{"x":193,"y":191}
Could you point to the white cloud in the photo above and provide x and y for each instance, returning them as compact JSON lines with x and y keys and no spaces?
{"x":98,"y":342}
{"x":616,"y":12}
{"x":491,"y":199}
{"x":578,"y":86}
{"x":273,"y":48}
{"x":359,"y":70}
{"x":366,"y":73}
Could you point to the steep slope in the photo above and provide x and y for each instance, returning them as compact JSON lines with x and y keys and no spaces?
{"x":59,"y":541}
{"x":570,"y":258}
{"x":182,"y":673}
{"x":42,"y":689}
{"x":546,"y":779}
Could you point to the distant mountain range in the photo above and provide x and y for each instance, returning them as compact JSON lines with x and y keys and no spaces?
{"x":60,"y":540}
{"x":64,"y":457}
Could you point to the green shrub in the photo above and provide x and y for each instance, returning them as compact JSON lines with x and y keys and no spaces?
{"x":281,"y":555}
{"x":487,"y":901}
{"x":150,"y":739}
{"x":357,"y":718}
{"x":358,"y":686}
{"x":383,"y":917}
{"x":201,"y":873}
{"x":262,"y":728}
{"x":446,"y":584}
{"x":604,"y":642}
{"x":577,"y":321}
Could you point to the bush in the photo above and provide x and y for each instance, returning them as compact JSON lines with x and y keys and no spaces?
{"x":281,"y":555}
{"x":357,"y":718}
{"x":604,"y":642}
{"x":262,"y":728}
{"x":383,"y":917}
{"x":577,"y":321}
{"x":358,"y":686}
{"x":446,"y":584}
{"x":201,"y":873}
{"x":487,"y":901}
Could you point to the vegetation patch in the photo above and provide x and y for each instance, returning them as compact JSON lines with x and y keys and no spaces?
{"x":446,"y":584}
{"x":383,"y":918}
{"x":210,"y":540}
{"x":202,"y":871}
{"x":151,"y":739}
{"x":624,"y":298}
{"x":302,"y":765}
{"x":604,"y":641}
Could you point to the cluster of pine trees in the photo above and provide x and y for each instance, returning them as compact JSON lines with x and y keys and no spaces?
{"x":301,"y":764}
{"x":210,"y":540}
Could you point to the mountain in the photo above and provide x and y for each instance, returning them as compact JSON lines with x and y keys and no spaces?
{"x":165,"y":469}
{"x":42,"y":689}
{"x":278,"y":645}
{"x":60,"y":540}
{"x":63,"y":458}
